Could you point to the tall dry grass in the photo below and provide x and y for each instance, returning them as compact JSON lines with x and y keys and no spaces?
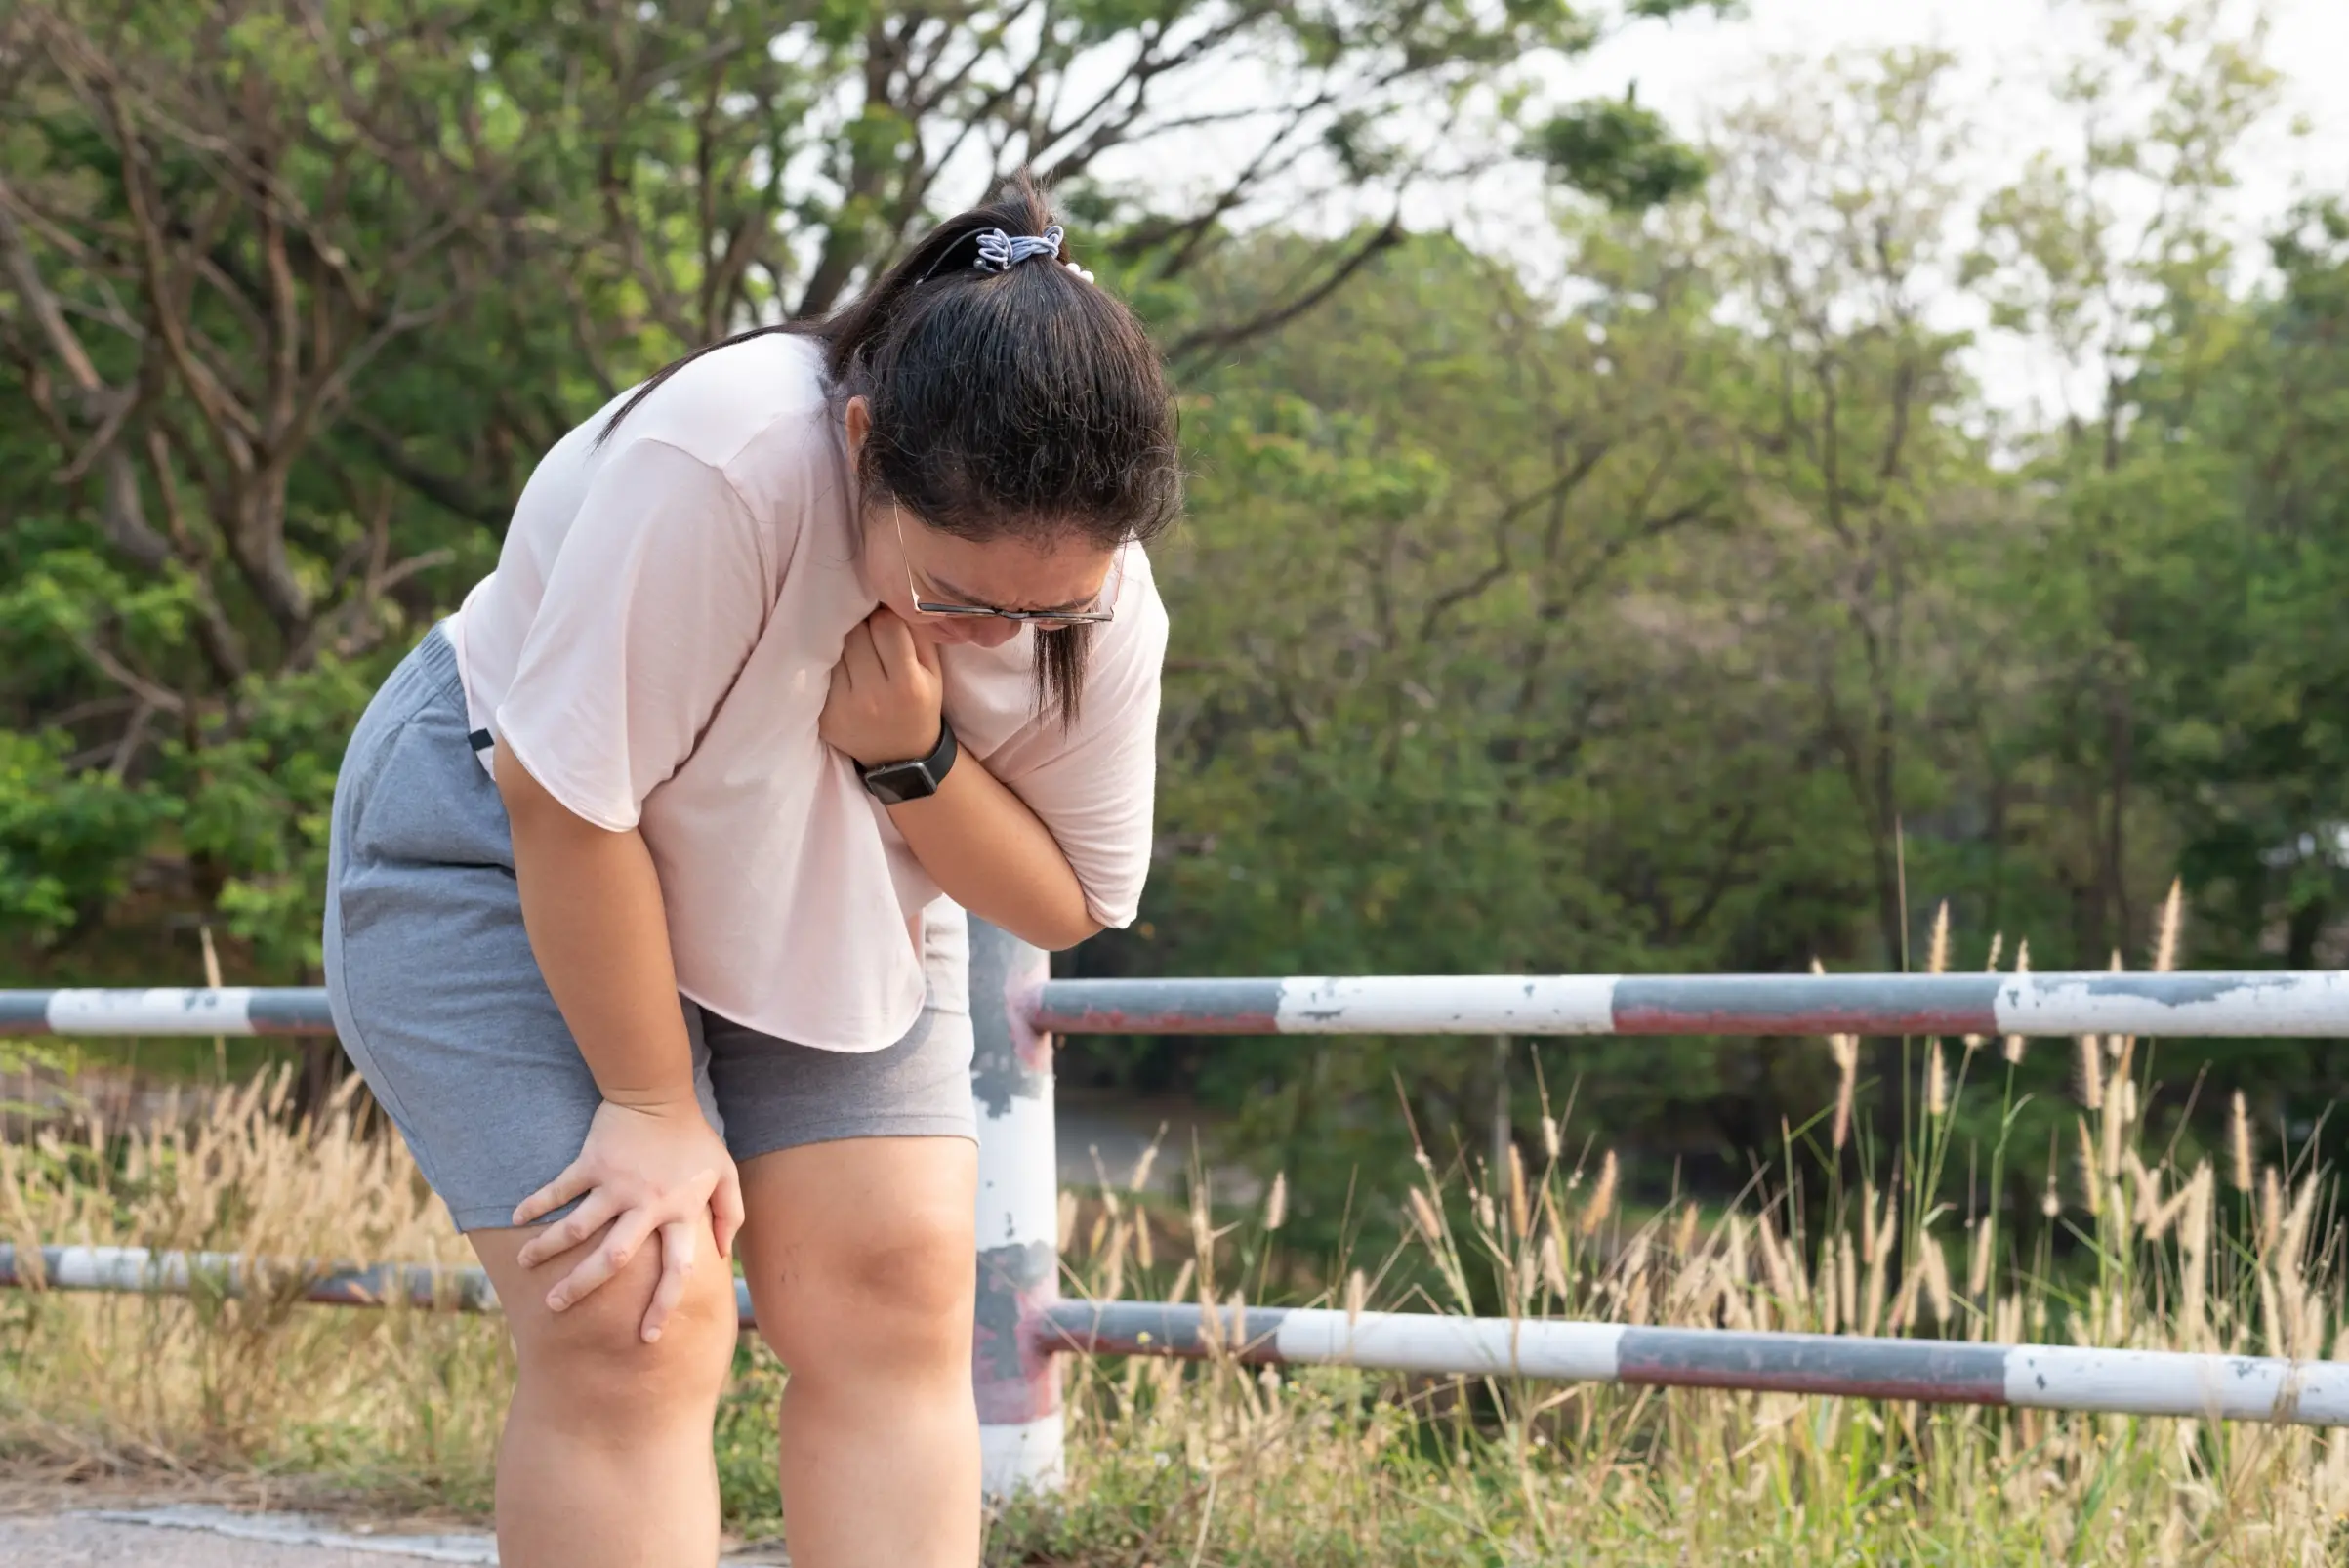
{"x":397,"y":1399}
{"x":1222,"y":1464}
{"x":1226,"y":1464}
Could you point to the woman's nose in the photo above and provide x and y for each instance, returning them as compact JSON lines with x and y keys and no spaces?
{"x":994,"y":634}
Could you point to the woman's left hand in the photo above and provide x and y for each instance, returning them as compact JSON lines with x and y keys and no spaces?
{"x":886,"y":694}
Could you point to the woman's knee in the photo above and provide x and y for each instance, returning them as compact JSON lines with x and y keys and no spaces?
{"x":896,"y":1292}
{"x":593,"y":1356}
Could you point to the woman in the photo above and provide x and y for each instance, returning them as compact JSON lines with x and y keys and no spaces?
{"x":642,"y":921}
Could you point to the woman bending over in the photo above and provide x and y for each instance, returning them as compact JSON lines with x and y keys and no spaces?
{"x":649,"y":867}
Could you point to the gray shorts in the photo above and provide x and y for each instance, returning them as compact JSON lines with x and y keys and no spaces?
{"x":441,"y":1007}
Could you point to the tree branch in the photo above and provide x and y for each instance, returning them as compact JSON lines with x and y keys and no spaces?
{"x":1389,"y":235}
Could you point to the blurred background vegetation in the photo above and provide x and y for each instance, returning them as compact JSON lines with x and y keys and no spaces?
{"x":1658,"y":590}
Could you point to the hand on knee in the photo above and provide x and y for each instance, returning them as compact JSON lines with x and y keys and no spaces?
{"x":592,"y":1360}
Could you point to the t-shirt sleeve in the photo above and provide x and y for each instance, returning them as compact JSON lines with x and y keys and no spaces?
{"x":1094,"y":787}
{"x":657,"y":595}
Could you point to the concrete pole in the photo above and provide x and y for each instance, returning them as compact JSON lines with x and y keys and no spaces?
{"x":1017,"y":1380}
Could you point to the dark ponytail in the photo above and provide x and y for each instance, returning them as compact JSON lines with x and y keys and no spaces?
{"x":1021,"y":403}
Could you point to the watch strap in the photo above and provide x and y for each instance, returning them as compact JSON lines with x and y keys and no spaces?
{"x":915,"y":779}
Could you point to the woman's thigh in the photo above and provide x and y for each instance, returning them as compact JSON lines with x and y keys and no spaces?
{"x":860,"y":1252}
{"x":435,"y":992}
{"x":773,"y":1094}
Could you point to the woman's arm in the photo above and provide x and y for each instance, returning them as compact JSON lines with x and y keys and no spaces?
{"x":592,"y":904}
{"x":651,"y":1163}
{"x":979,"y":843}
{"x":988,"y":852}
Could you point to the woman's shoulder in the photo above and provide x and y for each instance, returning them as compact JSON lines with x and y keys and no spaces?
{"x":1140,"y":613}
{"x":737,"y":404}
{"x":757,"y":411}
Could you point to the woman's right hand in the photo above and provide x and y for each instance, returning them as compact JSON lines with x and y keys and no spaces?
{"x":643,"y":1170}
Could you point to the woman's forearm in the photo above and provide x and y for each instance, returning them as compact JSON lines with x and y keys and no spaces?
{"x":988,"y":852}
{"x":592,"y":905}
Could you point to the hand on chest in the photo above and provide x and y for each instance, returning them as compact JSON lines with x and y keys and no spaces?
{"x":988,"y":693}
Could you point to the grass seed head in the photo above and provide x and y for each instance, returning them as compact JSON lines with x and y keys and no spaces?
{"x":2091,"y":1183}
{"x":1423,"y":1214}
{"x":1846,"y":1050}
{"x":2165,"y":938}
{"x":1601,"y":1202}
{"x":1937,"y":1281}
{"x":1522,"y":1219}
{"x":1553,"y":1267}
{"x":2088,"y":1082}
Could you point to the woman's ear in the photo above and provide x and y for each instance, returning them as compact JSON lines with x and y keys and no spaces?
{"x":859,"y":419}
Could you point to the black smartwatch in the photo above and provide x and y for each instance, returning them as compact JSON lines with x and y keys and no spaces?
{"x":895,"y":783}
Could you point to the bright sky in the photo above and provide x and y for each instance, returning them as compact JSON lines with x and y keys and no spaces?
{"x":1692,"y":69}
{"x":1684,"y":67}
{"x":1692,"y":66}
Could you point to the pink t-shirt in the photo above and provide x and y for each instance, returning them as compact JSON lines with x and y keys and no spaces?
{"x":655,"y":646}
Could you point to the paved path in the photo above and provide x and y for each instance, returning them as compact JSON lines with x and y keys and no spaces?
{"x":95,"y":1541}
{"x":201,"y":1535}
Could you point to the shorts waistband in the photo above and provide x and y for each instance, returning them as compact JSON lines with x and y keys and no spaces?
{"x":437,"y":658}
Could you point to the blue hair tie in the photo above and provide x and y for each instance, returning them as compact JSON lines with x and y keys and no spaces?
{"x":998,"y":252}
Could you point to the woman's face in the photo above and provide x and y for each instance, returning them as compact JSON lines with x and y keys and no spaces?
{"x":904,"y":559}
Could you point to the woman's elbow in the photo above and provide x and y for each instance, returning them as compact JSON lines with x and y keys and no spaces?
{"x":1056,"y":930}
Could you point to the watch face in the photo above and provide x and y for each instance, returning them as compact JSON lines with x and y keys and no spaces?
{"x":901,"y":781}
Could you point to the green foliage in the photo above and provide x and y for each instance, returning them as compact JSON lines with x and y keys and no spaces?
{"x":289,"y":305}
{"x":255,"y":807}
{"x":1619,"y":152}
{"x":68,"y":838}
{"x":2251,"y":740}
{"x":1698,"y":616}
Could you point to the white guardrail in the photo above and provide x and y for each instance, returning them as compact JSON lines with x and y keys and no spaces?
{"x":1022,"y":1323}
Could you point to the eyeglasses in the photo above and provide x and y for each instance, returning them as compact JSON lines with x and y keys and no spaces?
{"x":1042,"y":620}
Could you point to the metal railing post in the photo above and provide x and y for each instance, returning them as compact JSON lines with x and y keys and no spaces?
{"x":1017,"y":1382}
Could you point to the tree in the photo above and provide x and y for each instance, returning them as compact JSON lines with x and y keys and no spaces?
{"x":1442,"y":698}
{"x":216,"y":227}
{"x":1831,"y":227}
{"x":2111,"y":254}
{"x":294,"y":295}
{"x":2246,"y":727}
